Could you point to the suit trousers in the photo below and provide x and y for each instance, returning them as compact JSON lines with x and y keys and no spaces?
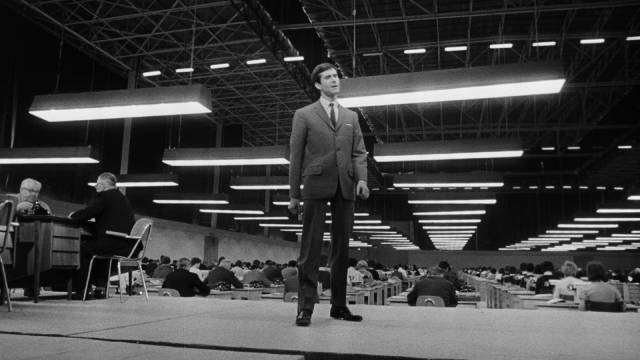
{"x":311,"y":247}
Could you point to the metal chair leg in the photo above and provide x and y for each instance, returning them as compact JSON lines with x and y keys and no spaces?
{"x":5,"y":286}
{"x":144,"y":282}
{"x":86,"y":283}
{"x":119,"y":279}
{"x":106,"y":288}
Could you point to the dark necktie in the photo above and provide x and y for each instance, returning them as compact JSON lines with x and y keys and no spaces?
{"x":332,"y":115}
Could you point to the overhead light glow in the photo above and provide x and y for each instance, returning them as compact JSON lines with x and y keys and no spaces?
{"x":573,"y":147}
{"x":625,"y":147}
{"x":413,"y":51}
{"x":543,"y":43}
{"x":232,"y":211}
{"x":449,"y":185}
{"x":258,"y":218}
{"x":219,"y":66}
{"x":448,"y":221}
{"x":455,"y":48}
{"x":184,"y":70}
{"x":548,"y":148}
{"x":614,"y":219}
{"x":455,"y":201}
{"x":151,"y":73}
{"x":445,"y":213}
{"x":633,"y":38}
{"x":116,"y":104}
{"x":466,"y":227}
{"x":587,"y":226}
{"x":280,"y":225}
{"x":293,"y":58}
{"x":501,"y":46}
{"x":256,"y":61}
{"x":192,"y":202}
{"x":572,"y":231}
{"x":226,"y":156}
{"x":592,"y":41}
{"x":484,"y":82}
{"x":618,"y":211}
{"x":634,"y":197}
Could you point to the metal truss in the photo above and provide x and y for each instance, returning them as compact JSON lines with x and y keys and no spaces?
{"x":137,"y":35}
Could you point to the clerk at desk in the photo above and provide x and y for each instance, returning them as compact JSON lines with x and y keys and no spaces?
{"x":28,"y":195}
{"x":111,"y":211}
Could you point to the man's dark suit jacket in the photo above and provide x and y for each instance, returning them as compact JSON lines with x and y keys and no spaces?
{"x":221,"y":274}
{"x":434,"y":286}
{"x":111,"y":210}
{"x":186,"y":283}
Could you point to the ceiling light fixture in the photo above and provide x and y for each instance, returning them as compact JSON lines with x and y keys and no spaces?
{"x":412,"y":51}
{"x":543,"y":43}
{"x":455,"y":48}
{"x":232,"y":211}
{"x":447,"y":150}
{"x":293,"y":58}
{"x":219,"y":66}
{"x":184,"y":70}
{"x":129,"y":103}
{"x":49,"y":155}
{"x":446,"y":213}
{"x":145,"y":180}
{"x":501,"y":46}
{"x":483,"y":82}
{"x":151,"y":73}
{"x":227,"y":156}
{"x":592,"y":41}
{"x":259,"y":183}
{"x":256,"y":61}
{"x":191,"y":199}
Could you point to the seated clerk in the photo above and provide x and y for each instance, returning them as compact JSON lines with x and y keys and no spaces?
{"x":599,"y":290}
{"x":222,"y":274}
{"x":28,"y":195}
{"x":163,"y":269}
{"x":256,"y":275}
{"x":111,"y":211}
{"x":186,"y":282}
{"x":434,"y":284}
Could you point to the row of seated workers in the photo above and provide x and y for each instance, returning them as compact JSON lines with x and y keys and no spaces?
{"x":188,"y":278}
{"x":596,"y":283}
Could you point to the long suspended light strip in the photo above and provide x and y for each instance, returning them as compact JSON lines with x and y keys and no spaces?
{"x":577,"y":231}
{"x":451,"y":232}
{"x":145,"y":180}
{"x":232,"y":211}
{"x":256,"y":61}
{"x":469,"y":227}
{"x":634,"y":197}
{"x":455,"y":201}
{"x":49,"y":155}
{"x":371,"y":227}
{"x":293,"y":58}
{"x":626,"y":235}
{"x":484,"y":82}
{"x":592,"y":41}
{"x":258,"y":218}
{"x":586,"y":226}
{"x":193,"y":199}
{"x":448,"y":185}
{"x":543,"y":43}
{"x":184,"y":70}
{"x":448,"y":150}
{"x":129,"y":103}
{"x":280,"y":225}
{"x":447,"y":213}
{"x":613,"y":219}
{"x":219,"y":66}
{"x":561,"y":235}
{"x":413,"y":51}
{"x":450,"y":221}
{"x":227,"y":156}
{"x":151,"y":73}
{"x":501,"y":46}
{"x":618,"y":211}
{"x":455,"y":48}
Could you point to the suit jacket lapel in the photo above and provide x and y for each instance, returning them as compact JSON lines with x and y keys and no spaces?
{"x":322,"y":114}
{"x":342,"y":117}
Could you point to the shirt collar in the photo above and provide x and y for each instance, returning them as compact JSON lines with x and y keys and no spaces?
{"x":325,"y":103}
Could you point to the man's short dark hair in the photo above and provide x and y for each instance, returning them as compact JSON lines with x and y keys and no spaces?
{"x":319,"y":69}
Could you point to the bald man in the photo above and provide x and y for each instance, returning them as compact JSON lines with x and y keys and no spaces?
{"x":28,"y":195}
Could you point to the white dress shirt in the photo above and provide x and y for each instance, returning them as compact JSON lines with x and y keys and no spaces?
{"x":325,"y":105}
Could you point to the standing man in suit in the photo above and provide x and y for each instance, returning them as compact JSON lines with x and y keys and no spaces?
{"x":111,"y":211}
{"x":329,"y":159}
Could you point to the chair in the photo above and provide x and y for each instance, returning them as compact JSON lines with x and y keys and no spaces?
{"x":604,"y":306}
{"x":291,"y":297}
{"x":140,"y":232}
{"x":168,"y":292}
{"x":428,"y":300}
{"x":6,"y":214}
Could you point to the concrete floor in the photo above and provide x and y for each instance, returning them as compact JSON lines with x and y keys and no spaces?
{"x":196,"y":327}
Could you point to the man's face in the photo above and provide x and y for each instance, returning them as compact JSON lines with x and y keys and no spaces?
{"x":100,"y":185}
{"x":329,"y":84}
{"x":29,"y":192}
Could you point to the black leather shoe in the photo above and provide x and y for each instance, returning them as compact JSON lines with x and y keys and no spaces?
{"x":343,"y":313}
{"x":303,"y":318}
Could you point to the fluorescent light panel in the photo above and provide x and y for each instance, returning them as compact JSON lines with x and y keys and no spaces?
{"x":151,"y":73}
{"x":466,"y":227}
{"x":586,"y":226}
{"x":117,"y":104}
{"x":258,"y":218}
{"x":232,"y":211}
{"x":501,"y":46}
{"x":483,"y":82}
{"x":610,"y":219}
{"x":592,"y":41}
{"x":455,"y":48}
{"x":219,"y":66}
{"x":293,"y":58}
{"x":256,"y":61}
{"x":449,"y":221}
{"x":633,"y":38}
{"x":414,"y":51}
{"x":193,"y":199}
{"x":184,"y":70}
{"x":259,"y":183}
{"x":49,"y":155}
{"x":543,"y":43}
{"x":227,"y":156}
{"x":446,"y":150}
{"x":447,"y":213}
{"x":145,"y":180}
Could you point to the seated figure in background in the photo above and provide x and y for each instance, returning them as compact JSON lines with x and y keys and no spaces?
{"x":434,"y":284}
{"x":290,"y":271}
{"x":186,"y":282}
{"x":28,"y":195}
{"x":256,"y":275}
{"x":222,"y":276}
{"x":599,"y":291}
{"x":565,"y":288}
{"x":161,"y":271}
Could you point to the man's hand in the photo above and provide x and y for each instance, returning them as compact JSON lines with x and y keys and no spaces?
{"x":293,"y":205}
{"x":362,"y":190}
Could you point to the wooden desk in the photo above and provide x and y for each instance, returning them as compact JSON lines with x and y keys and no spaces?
{"x":273,"y":289}
{"x":46,"y":242}
{"x":571,"y":306}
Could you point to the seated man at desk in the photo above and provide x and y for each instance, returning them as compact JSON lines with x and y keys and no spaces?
{"x":28,"y":195}
{"x":222,"y":275}
{"x":112,"y":212}
{"x":434,"y":284}
{"x":187,"y":283}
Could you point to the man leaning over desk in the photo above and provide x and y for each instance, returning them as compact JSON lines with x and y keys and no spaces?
{"x":113,"y":212}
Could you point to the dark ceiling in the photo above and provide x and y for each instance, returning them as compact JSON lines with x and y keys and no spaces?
{"x":73,"y":45}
